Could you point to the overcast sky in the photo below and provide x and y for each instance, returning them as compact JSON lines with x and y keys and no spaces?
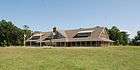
{"x":42,"y":15}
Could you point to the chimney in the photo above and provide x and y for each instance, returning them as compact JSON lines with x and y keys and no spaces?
{"x":54,"y":29}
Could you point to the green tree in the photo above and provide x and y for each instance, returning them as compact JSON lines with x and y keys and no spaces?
{"x":10,"y":34}
{"x":124,"y":38}
{"x":136,"y":40}
{"x":120,"y":38}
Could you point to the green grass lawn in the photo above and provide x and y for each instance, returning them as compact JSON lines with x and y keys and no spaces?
{"x":112,"y":58}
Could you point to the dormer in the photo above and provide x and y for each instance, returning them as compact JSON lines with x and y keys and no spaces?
{"x":85,"y":33}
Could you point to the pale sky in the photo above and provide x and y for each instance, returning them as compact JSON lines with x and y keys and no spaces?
{"x":42,"y":15}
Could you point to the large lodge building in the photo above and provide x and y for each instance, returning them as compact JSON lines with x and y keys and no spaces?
{"x":83,"y":37}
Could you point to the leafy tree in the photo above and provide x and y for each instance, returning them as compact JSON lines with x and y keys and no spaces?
{"x":136,"y":40}
{"x":120,"y":38}
{"x":26,"y":31}
{"x":124,"y":38}
{"x":10,"y":34}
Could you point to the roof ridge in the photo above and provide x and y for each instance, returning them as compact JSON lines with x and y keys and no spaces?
{"x":84,"y":28}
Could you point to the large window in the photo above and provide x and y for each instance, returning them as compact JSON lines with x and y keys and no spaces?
{"x":35,"y":38}
{"x":46,"y":39}
{"x":79,"y":35}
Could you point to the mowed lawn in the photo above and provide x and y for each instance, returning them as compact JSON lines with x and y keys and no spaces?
{"x":112,"y":58}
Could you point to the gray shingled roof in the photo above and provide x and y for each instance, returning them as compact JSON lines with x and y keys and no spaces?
{"x":69,"y":34}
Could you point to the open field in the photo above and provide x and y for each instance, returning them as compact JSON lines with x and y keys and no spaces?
{"x":111,"y":58}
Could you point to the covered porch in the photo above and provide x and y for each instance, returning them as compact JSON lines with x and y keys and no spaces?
{"x":83,"y":44}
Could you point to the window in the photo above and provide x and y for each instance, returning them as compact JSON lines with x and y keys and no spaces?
{"x":79,"y":35}
{"x":46,"y":39}
{"x":35,"y":37}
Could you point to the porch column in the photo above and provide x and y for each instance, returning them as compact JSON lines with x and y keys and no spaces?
{"x":87,"y":43}
{"x":80,"y":43}
{"x":73,"y":44}
{"x":70,"y":44}
{"x":55,"y":44}
{"x":90,"y":43}
{"x":96,"y":43}
{"x":76,"y":44}
{"x":30,"y":43}
{"x":60,"y":44}
{"x":102,"y":43}
{"x":40,"y":44}
{"x":64,"y":44}
{"x":46,"y":43}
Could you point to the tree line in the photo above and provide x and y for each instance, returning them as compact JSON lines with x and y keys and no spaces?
{"x":11,"y":35}
{"x":122,"y":37}
{"x":119,"y":37}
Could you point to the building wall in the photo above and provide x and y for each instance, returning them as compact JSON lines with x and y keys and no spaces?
{"x":104,"y":34}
